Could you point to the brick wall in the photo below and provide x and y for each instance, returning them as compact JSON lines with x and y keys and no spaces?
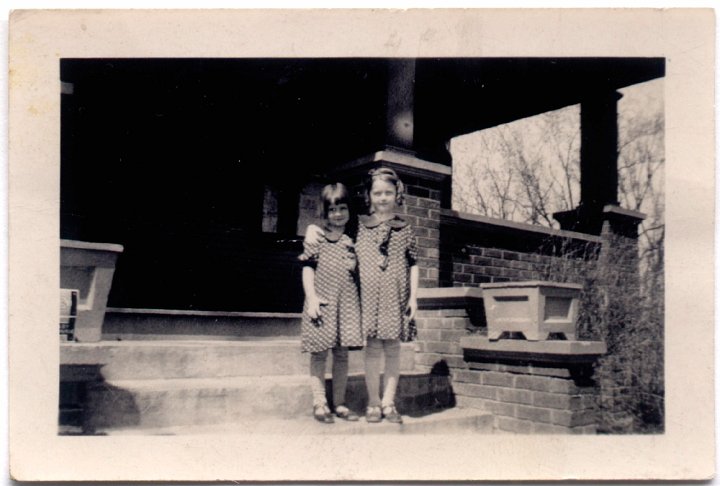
{"x":474,"y":265}
{"x":437,"y":348}
{"x":482,"y":250}
{"x":523,"y":396}
{"x":459,"y":250}
{"x":422,"y":210}
{"x":527,"y":398}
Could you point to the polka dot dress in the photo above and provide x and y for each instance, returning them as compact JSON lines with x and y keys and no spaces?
{"x":386,"y":251}
{"x":335,"y":282}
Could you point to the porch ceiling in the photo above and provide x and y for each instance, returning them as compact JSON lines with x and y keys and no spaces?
{"x":308,"y":114}
{"x":463,"y":95}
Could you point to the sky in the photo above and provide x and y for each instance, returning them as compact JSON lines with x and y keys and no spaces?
{"x":479,"y":157}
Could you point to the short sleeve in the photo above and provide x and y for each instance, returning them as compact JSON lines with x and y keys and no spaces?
{"x":412,"y":250}
{"x":310,"y":253}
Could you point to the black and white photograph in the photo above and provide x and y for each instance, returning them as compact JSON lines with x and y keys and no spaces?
{"x":381,"y":249}
{"x":532,"y":194}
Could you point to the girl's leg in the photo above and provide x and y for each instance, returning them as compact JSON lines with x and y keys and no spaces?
{"x":392,"y":370}
{"x":373,"y":357}
{"x":317,"y":377}
{"x":339,"y":375}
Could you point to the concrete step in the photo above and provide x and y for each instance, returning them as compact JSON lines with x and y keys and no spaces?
{"x":448,"y":421}
{"x":202,"y":401}
{"x":169,"y":324}
{"x":139,"y":360}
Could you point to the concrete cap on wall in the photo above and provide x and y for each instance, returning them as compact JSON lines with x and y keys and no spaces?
{"x":531,"y":283}
{"x":448,"y":297}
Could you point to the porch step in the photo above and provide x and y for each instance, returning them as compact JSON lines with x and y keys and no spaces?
{"x":167,"y":324}
{"x":449,"y":421}
{"x":201,"y":401}
{"x":151,"y":360}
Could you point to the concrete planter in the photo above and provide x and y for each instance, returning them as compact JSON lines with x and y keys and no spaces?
{"x":88,"y":268}
{"x":533,"y":308}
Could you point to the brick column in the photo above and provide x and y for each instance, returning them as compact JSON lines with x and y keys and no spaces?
{"x":445,"y":316}
{"x":531,"y":387}
{"x":427,"y":186}
{"x":618,"y":282}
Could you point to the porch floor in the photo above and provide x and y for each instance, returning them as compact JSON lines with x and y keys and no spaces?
{"x":449,"y":421}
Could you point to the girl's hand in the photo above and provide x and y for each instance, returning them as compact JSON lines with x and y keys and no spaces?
{"x":411,"y":309}
{"x":350,"y":259}
{"x":313,"y":234}
{"x":314,"y":307}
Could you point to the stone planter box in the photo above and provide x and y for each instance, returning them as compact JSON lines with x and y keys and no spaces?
{"x":88,"y":268}
{"x":534,"y":308}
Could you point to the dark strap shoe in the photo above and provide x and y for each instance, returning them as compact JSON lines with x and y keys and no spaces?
{"x":322,"y":414}
{"x":346,"y":414}
{"x":391,"y":414}
{"x":373,"y":415}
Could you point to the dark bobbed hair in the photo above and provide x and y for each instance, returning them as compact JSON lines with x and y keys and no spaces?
{"x":335,"y":194}
{"x":387,"y":175}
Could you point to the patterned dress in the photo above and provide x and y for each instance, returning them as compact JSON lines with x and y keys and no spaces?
{"x":386,"y":251}
{"x":336,"y":283}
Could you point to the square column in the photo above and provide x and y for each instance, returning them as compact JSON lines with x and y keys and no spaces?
{"x":599,"y":149}
{"x":400,"y":111}
{"x":598,"y":163}
{"x":619,"y":284}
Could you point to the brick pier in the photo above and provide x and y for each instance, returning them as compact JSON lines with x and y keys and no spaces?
{"x":529,"y":387}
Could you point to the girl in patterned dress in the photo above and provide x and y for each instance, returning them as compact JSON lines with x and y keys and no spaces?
{"x":331,"y":314}
{"x":387,"y":255}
